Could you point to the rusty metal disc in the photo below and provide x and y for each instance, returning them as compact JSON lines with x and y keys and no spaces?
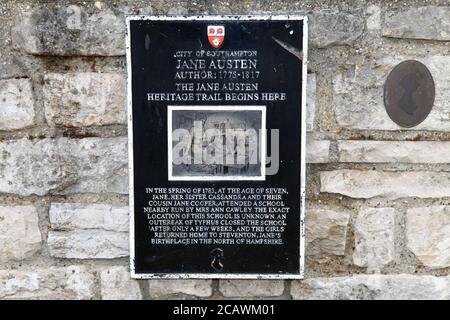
{"x":409,"y":93}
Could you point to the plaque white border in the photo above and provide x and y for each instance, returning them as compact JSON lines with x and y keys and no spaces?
{"x":292,"y":276}
{"x":262,"y":143}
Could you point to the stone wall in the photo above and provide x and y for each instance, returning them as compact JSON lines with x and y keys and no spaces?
{"x":378,"y":211}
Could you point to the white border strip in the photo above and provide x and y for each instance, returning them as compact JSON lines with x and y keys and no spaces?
{"x":130,"y":148}
{"x":218,"y":18}
{"x":134,"y":275}
{"x":262,"y":143}
{"x":303,"y":148}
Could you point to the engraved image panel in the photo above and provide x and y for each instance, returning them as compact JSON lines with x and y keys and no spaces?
{"x":216,"y":143}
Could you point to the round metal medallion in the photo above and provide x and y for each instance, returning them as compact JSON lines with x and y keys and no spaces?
{"x":409,"y":93}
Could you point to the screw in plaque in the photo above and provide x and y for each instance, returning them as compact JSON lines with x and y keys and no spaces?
{"x":217,"y":257}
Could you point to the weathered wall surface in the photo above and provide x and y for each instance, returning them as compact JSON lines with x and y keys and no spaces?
{"x":378,"y":211}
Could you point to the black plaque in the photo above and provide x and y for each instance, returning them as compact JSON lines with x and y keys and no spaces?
{"x":216,"y":140}
{"x":409,"y":93}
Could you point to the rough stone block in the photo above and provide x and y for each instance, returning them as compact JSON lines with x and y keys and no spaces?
{"x":20,"y":237}
{"x":161,"y":288}
{"x":64,"y":166}
{"x":394,"y":151}
{"x":374,"y":237}
{"x":73,"y":216}
{"x":311,"y":87}
{"x":85,"y":99}
{"x":116,"y":284}
{"x":88,"y":244}
{"x":373,"y":21}
{"x":317,"y":151}
{"x":331,"y":28}
{"x":372,"y":287}
{"x":391,"y":185}
{"x":251,"y":288}
{"x":16,"y":104}
{"x":326,"y":231}
{"x":430,"y":23}
{"x":70,"y":31}
{"x":73,"y":282}
{"x":428,"y":235}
